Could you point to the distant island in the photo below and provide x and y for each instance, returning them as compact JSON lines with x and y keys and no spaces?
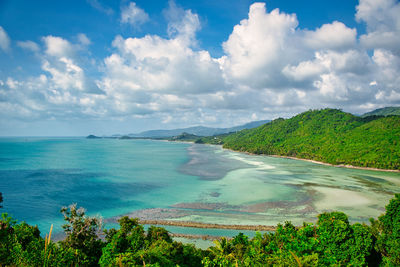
{"x":91,"y":136}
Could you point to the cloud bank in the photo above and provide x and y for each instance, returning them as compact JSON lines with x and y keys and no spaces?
{"x":271,"y":67}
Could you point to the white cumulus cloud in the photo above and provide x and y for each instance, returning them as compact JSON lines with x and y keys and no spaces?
{"x":331,"y":36}
{"x":183,"y":24}
{"x":134,"y":15}
{"x":57,"y":46}
{"x":258,"y":45}
{"x":383,"y":24}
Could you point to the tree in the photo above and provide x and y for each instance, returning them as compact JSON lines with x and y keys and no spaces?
{"x":387,"y":231}
{"x":221,"y":254}
{"x":342,"y":243}
{"x":157,"y":233}
{"x":82,"y":234}
{"x":130,"y":246}
{"x":130,"y":238}
{"x":6,"y":232}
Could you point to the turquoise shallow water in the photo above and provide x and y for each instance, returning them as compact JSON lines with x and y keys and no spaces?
{"x":178,"y":181}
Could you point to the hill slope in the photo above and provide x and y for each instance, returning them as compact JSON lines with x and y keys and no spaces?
{"x":383,"y":112}
{"x":326,"y":135}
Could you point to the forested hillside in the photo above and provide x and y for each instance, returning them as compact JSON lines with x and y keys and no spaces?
{"x":327,"y":135}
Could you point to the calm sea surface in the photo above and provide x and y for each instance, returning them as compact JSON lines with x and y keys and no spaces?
{"x":178,"y":181}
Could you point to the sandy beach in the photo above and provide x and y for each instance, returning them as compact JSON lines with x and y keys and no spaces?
{"x":328,"y":164}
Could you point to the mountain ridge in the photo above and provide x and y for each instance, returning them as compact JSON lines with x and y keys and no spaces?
{"x":386,"y":111}
{"x":197,"y":130}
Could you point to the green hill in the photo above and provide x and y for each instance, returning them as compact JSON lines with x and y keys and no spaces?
{"x":327,"y":135}
{"x":184,"y":137}
{"x":383,"y":112}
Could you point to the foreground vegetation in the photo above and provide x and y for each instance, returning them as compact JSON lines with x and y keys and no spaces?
{"x":327,"y":135}
{"x":332,"y":241}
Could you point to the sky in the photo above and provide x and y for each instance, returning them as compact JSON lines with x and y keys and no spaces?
{"x":79,"y":67}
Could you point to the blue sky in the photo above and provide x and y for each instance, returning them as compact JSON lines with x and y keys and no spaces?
{"x":104,"y":67}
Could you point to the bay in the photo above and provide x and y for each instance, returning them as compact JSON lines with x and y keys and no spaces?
{"x":178,"y":181}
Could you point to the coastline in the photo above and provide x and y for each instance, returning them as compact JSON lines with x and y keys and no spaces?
{"x":208,"y":225}
{"x":328,"y":164}
{"x":295,"y":158}
{"x":348,"y":166}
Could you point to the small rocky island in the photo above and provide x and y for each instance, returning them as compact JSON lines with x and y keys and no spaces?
{"x":91,"y":136}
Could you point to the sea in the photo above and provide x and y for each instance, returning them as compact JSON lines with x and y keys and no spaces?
{"x":163,"y":180}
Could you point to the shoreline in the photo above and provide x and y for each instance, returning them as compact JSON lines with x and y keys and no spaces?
{"x":332,"y":165}
{"x":348,"y":166}
{"x":208,"y":225}
{"x":295,"y":158}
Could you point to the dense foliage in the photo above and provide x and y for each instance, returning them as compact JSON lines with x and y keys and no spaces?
{"x":327,"y":135}
{"x":332,"y":241}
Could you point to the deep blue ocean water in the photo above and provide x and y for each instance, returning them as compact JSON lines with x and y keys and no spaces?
{"x":109,"y":177}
